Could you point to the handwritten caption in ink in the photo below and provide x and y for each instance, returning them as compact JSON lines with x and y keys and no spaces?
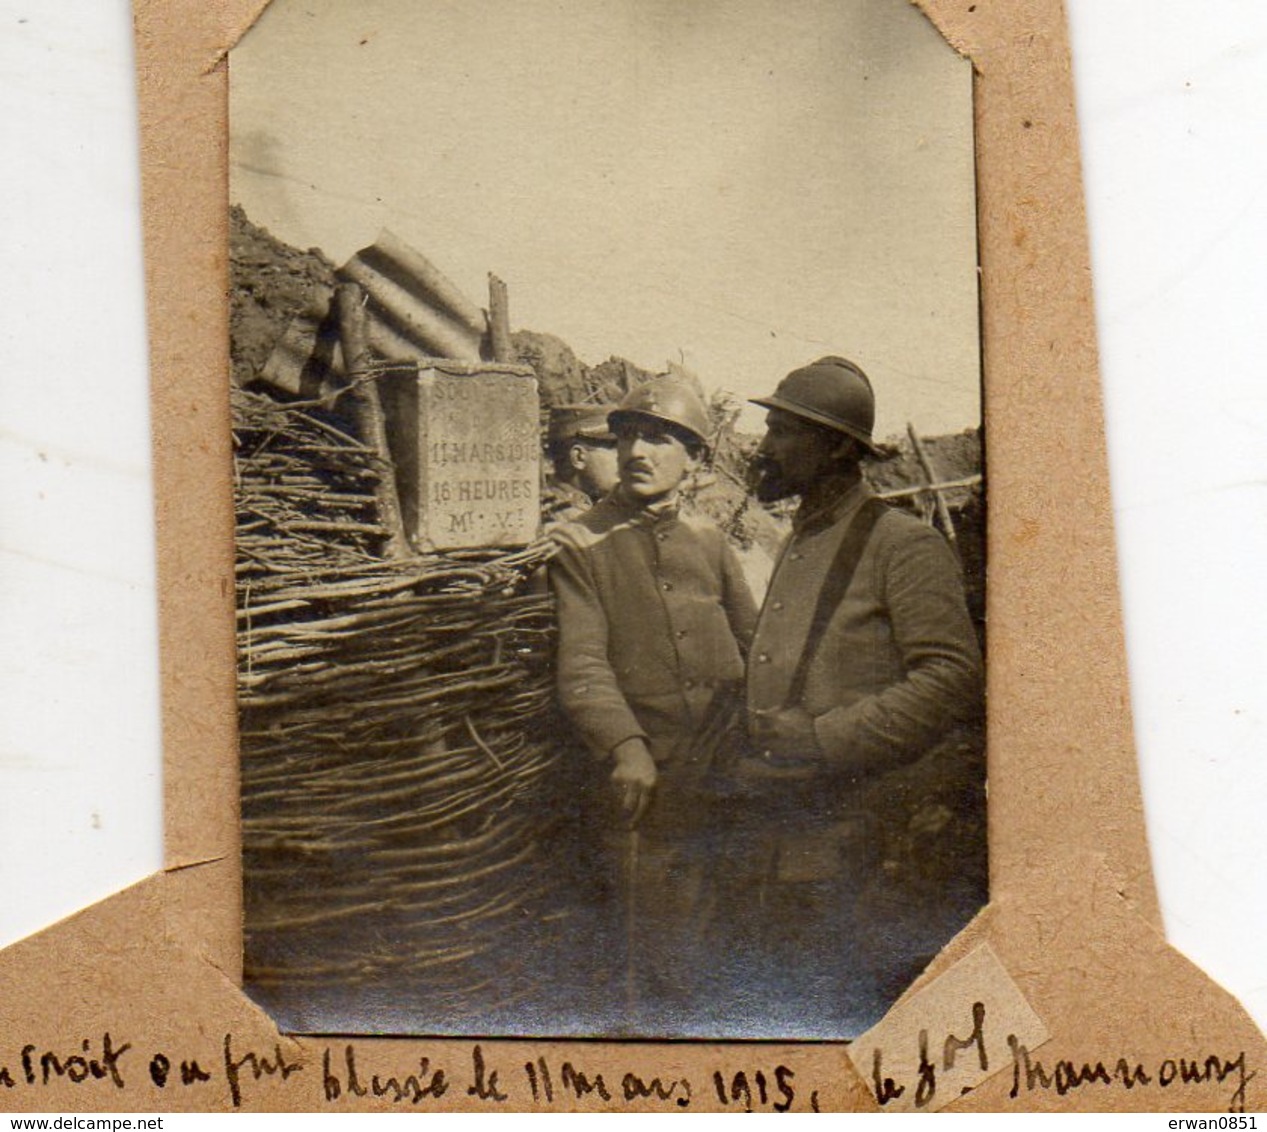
{"x":928,"y":1072}
{"x":341,"y":1075}
{"x":935,"y":1067}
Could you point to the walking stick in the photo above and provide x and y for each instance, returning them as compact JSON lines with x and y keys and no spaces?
{"x":631,"y":921}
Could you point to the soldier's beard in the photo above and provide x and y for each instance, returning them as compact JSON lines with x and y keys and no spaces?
{"x":768,"y":483}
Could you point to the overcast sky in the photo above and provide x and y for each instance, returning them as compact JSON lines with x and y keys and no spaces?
{"x":742,"y":186}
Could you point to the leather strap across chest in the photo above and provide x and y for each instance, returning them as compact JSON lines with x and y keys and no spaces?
{"x":843,"y":567}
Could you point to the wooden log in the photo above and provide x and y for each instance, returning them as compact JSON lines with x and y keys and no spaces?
{"x":943,"y":512}
{"x":349,"y":301}
{"x":924,"y":489}
{"x":499,"y":320}
{"x":441,"y":336}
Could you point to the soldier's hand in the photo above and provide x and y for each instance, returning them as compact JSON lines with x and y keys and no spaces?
{"x":634,"y":779}
{"x":787,"y":733}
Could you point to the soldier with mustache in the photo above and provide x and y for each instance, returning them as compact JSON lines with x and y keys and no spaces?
{"x":654,"y":622}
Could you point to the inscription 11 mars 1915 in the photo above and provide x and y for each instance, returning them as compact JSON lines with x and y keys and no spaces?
{"x":610,"y":627}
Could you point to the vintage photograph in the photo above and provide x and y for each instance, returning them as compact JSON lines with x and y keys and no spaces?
{"x":610,"y":515}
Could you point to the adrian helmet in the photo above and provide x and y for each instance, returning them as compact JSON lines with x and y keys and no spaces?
{"x":832,"y":392}
{"x":667,"y":399}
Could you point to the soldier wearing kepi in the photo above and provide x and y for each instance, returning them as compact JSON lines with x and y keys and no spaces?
{"x":863,"y":666}
{"x":582,"y":452}
{"x":654,"y":623}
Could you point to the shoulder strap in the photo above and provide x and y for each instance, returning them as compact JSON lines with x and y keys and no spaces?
{"x":843,"y":568}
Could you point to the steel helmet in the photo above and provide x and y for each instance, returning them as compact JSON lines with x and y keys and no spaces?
{"x":667,"y":399}
{"x":833,"y":392}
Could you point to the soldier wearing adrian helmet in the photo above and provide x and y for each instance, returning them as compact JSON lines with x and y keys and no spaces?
{"x":863,"y":665}
{"x":654,"y":622}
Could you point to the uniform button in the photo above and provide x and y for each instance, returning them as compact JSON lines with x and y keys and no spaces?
{"x":666,"y":586}
{"x":776,"y":606}
{"x":688,"y":684}
{"x":763,"y":658}
{"x":796,"y":556}
{"x":662,"y":536}
{"x":681,"y":633}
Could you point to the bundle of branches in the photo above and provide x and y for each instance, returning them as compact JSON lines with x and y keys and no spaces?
{"x":396,"y":723}
{"x":303,"y":496}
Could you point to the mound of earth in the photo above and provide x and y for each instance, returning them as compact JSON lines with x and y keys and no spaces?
{"x":269,"y":284}
{"x":955,"y":456}
{"x":563,"y":379}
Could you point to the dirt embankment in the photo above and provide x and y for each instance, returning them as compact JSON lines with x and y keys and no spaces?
{"x":269,"y":284}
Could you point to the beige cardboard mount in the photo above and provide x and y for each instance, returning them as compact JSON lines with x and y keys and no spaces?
{"x":1062,"y":995}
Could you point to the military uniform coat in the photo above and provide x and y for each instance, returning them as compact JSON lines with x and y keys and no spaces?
{"x":562,"y":503}
{"x":654,"y":619}
{"x":898,"y":664}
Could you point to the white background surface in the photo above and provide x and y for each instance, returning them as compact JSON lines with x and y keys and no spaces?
{"x":1173,"y":99}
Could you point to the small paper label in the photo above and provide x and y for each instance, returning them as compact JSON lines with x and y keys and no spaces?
{"x":948,"y":1037}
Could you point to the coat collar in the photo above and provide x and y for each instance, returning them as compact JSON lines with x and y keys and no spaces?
{"x":828,"y":502}
{"x":570,"y":493}
{"x":632,"y":511}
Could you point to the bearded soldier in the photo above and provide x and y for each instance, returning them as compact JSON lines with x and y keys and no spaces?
{"x":864,"y":668}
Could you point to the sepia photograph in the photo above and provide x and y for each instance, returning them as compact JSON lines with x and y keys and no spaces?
{"x":594,"y":724}
{"x":610,"y":515}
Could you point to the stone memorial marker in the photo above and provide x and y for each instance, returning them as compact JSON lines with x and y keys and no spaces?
{"x":464,"y":436}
